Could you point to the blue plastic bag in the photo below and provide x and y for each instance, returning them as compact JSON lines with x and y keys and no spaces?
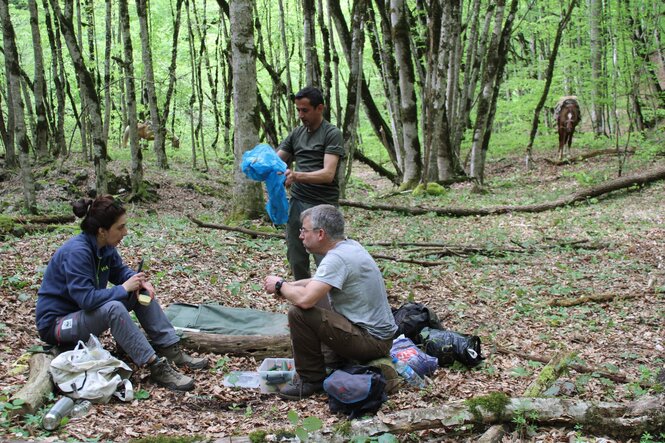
{"x":261,"y":163}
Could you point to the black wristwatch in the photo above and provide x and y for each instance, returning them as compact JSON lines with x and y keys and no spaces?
{"x":278,"y":286}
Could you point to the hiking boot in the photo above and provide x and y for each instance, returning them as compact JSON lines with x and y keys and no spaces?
{"x":181,"y":359}
{"x":162,"y":373}
{"x":299,"y":389}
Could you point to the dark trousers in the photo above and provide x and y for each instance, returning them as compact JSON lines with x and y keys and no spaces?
{"x":295,"y":251}
{"x":114,"y":315}
{"x":310,"y":328}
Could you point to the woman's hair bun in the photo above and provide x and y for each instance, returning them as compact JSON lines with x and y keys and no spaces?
{"x":81,"y":207}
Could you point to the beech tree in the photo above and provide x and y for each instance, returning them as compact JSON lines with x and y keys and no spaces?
{"x":247,"y":194}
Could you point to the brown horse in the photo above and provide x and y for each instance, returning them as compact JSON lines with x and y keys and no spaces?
{"x":145,"y":131}
{"x":567,"y":116}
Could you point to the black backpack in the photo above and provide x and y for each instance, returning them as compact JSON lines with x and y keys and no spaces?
{"x":411,"y":318}
{"x":355,"y":390}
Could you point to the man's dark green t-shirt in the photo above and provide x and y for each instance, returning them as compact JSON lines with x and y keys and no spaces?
{"x":308,"y":150}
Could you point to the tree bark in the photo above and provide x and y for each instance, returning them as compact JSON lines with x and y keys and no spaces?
{"x":620,"y":420}
{"x":88,"y":91}
{"x":247,"y":194}
{"x":38,"y":386}
{"x":155,"y":117}
{"x":39,"y":86}
{"x":598,"y":85}
{"x":312,"y":68}
{"x":408,"y":104}
{"x":258,"y":346}
{"x":136,"y":176}
{"x":19,"y":129}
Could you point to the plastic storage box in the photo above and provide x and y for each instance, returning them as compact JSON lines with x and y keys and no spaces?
{"x":276,"y":372}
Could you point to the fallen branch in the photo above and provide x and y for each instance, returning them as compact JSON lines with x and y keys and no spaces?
{"x":619,"y":420}
{"x":235,"y":229}
{"x":597,"y":298}
{"x":588,"y":155}
{"x":258,"y":346}
{"x":408,"y":260}
{"x":591,"y":192}
{"x":577,"y":367}
{"x":37,"y":387}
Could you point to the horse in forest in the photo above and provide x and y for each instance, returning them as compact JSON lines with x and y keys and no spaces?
{"x":146,"y":132}
{"x":566,"y":115}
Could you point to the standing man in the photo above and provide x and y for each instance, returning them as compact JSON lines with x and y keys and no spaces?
{"x":317,"y":149}
{"x":360,"y":325}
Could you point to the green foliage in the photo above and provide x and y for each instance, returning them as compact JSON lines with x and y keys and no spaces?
{"x":141,"y":394}
{"x":648,"y":438}
{"x":304,"y":426}
{"x":525,"y":422}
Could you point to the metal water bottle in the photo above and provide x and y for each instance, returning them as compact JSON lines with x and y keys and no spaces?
{"x":54,"y":416}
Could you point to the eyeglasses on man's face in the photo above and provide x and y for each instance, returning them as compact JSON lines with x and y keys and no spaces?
{"x":303,"y":230}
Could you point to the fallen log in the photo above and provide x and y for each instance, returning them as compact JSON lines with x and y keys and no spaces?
{"x":258,"y":346}
{"x":38,"y":386}
{"x":43,"y":219}
{"x":588,"y":155}
{"x":619,"y":420}
{"x":582,"y":195}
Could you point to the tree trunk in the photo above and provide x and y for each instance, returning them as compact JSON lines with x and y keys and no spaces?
{"x":88,"y":91}
{"x":349,"y":128}
{"x":326,"y":81}
{"x":409,"y":109}
{"x":108,"y":38}
{"x":146,"y":53}
{"x":136,"y":176}
{"x":172,"y":65}
{"x":381,"y":129}
{"x":57,"y":115}
{"x":39,"y":85}
{"x":312,"y":68}
{"x":19,"y":128}
{"x":548,"y":80}
{"x":598,"y":83}
{"x":290,"y":110}
{"x":388,"y":69}
{"x":247,"y":194}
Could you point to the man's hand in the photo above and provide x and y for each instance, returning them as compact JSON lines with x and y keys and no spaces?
{"x":269,"y":283}
{"x":290,"y":177}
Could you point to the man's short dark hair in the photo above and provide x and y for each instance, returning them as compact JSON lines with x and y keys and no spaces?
{"x":313,"y":94}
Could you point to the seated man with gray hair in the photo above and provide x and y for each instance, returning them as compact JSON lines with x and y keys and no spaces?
{"x":359,"y":327}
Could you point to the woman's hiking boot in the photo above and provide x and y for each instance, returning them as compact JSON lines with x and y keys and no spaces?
{"x":180,"y":358}
{"x":162,"y":373}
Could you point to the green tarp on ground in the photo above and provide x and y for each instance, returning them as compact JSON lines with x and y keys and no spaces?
{"x":217,"y":319}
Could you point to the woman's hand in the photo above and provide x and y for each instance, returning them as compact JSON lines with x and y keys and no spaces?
{"x":135,"y":282}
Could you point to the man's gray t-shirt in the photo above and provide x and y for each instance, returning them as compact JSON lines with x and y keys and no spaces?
{"x":308,"y":150}
{"x":358,"y":292}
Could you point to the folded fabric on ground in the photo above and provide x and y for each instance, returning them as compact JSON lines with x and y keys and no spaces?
{"x":217,"y":319}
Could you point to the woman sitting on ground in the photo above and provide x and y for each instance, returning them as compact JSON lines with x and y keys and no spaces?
{"x":74,"y":300}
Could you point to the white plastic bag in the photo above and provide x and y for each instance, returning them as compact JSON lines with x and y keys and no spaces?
{"x":91,"y":372}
